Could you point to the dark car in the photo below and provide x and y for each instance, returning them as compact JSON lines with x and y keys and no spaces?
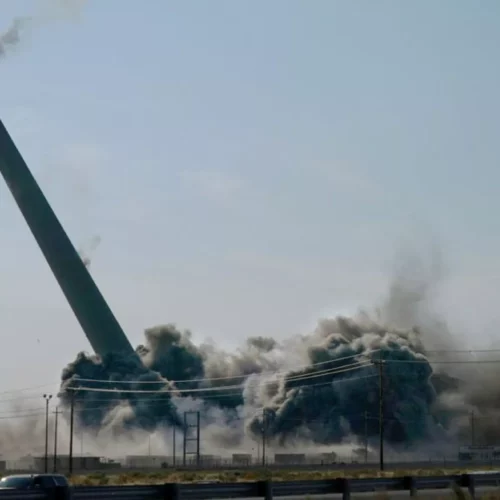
{"x":44,"y":482}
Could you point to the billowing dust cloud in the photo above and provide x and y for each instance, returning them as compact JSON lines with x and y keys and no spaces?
{"x":321,"y":389}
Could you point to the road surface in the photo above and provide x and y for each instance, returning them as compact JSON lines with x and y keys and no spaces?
{"x":393,"y":495}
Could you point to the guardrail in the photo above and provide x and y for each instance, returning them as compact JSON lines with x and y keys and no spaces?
{"x":265,"y":490}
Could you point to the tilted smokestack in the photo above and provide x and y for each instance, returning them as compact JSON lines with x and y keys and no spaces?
{"x":232,"y":390}
{"x":93,"y":313}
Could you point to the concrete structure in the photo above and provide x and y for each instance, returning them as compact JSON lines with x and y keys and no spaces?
{"x":164,"y":461}
{"x":205,"y":460}
{"x":23,"y":463}
{"x":290,"y":458}
{"x":322,"y":458}
{"x":62,"y":463}
{"x":93,"y":313}
{"x":149,"y":461}
{"x":242,"y":459}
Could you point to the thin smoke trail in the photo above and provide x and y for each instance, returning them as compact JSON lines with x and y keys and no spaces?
{"x":13,"y":34}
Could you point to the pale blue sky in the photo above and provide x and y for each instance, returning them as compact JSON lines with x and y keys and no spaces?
{"x":250,"y":165}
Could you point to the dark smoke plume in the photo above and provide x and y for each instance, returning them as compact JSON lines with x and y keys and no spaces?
{"x":319,"y":389}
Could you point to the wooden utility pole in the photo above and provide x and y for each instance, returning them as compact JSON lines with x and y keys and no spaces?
{"x":366,"y":437}
{"x":472,"y":429}
{"x":71,"y":427}
{"x":173,"y":444}
{"x":198,"y":421}
{"x":264,"y":422}
{"x":380,"y":365}
{"x":55,"y":440}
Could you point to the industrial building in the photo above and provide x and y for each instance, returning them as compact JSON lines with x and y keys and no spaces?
{"x":150,"y":461}
{"x":79,"y":463}
{"x":289,"y":458}
{"x":322,"y":458}
{"x":243,"y":459}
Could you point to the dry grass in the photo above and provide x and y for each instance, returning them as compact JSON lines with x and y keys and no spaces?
{"x":173,"y":476}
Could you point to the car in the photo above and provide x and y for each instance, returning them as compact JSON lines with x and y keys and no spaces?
{"x":44,"y":482}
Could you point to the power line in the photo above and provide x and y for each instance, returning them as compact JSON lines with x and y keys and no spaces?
{"x":153,"y":400}
{"x":24,"y":415}
{"x":232,"y":377}
{"x":32,"y":388}
{"x":290,"y":378}
{"x":293,"y":378}
{"x":459,"y":351}
{"x":167,"y":396}
{"x":444,"y":361}
{"x":212,"y":389}
{"x":279,"y":372}
{"x":225,"y":389}
{"x":20,"y":398}
{"x":321,"y":373}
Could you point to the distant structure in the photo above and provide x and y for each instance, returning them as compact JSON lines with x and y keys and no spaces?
{"x":78,"y":463}
{"x":93,"y":313}
{"x":289,"y":458}
{"x":242,"y":459}
{"x":479,"y":453}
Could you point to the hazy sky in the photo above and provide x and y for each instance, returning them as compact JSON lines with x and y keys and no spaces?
{"x":250,"y":165}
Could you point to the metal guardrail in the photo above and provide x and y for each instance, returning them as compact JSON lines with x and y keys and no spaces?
{"x":265,"y":490}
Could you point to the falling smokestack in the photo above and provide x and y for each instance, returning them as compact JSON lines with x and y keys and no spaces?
{"x":93,"y":313}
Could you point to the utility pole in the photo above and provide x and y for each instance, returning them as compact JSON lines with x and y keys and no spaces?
{"x":173,"y":444}
{"x":380,"y":364}
{"x":366,"y":437}
{"x":198,"y":457}
{"x":472,"y":429}
{"x":47,"y":398}
{"x":71,"y":427}
{"x":55,"y":440}
{"x":265,"y":428}
{"x":184,"y":441}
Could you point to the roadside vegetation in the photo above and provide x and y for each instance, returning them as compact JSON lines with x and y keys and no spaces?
{"x":173,"y":476}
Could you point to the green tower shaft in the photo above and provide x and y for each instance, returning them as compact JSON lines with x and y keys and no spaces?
{"x":93,"y":313}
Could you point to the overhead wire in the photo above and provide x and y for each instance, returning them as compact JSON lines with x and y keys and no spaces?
{"x":229,"y":377}
{"x":350,"y":379}
{"x":444,"y":361}
{"x":40,"y":411}
{"x":291,"y":378}
{"x":213,"y":389}
{"x":279,"y":372}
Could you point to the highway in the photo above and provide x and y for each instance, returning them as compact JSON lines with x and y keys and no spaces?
{"x":382,"y":495}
